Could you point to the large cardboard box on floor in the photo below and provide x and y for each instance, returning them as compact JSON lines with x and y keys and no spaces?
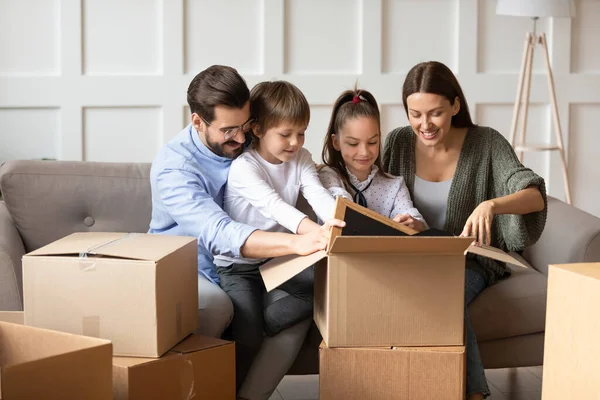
{"x":41,"y":364}
{"x":139,"y":291}
{"x":392,"y":373}
{"x":375,"y":288}
{"x":572,"y":345}
{"x":201,"y":368}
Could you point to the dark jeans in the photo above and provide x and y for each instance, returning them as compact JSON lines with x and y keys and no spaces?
{"x":252,"y":319}
{"x":476,"y":381}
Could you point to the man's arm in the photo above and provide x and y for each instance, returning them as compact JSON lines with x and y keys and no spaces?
{"x":188,"y":202}
{"x":196,"y":212}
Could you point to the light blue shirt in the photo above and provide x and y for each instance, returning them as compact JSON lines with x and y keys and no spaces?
{"x":188,"y":181}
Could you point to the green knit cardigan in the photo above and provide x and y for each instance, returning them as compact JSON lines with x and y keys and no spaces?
{"x":487,"y":168}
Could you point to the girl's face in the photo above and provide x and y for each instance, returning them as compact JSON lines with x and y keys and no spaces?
{"x":359,"y":141}
{"x":280,"y":143}
{"x":430,"y":116}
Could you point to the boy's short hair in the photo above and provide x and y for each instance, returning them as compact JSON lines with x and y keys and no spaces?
{"x":218,"y":85}
{"x":276,"y":102}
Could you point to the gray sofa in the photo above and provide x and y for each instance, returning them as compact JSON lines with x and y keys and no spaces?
{"x":46,"y":200}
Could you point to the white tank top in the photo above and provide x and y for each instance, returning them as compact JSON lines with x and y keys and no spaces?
{"x":431,"y":199}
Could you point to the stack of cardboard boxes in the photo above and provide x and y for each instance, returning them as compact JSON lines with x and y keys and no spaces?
{"x":140,"y":293}
{"x":390,"y":309}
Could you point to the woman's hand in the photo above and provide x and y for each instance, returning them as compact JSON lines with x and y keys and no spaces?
{"x":408,"y":220}
{"x":479,"y":223}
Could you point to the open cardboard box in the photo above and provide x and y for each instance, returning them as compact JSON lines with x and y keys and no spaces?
{"x":42,"y":364}
{"x":139,"y":291}
{"x":380,"y":283}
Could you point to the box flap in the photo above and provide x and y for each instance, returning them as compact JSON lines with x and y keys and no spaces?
{"x":197,"y":342}
{"x":281,"y":269}
{"x":400,"y":244}
{"x":24,"y":344}
{"x":76,"y":243}
{"x":136,"y":246}
{"x":495,"y":254}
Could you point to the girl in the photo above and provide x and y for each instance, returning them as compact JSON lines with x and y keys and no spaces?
{"x":353,"y":169}
{"x":262,"y":190}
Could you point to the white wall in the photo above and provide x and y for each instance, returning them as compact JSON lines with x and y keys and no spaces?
{"x":105,"y":80}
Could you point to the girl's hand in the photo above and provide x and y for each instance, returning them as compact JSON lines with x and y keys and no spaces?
{"x":408,"y":220}
{"x":479,"y":223}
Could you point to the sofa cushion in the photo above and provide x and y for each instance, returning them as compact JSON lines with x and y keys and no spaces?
{"x":51,"y":199}
{"x":514,"y":306}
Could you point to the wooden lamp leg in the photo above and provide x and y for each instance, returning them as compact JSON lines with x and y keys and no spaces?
{"x":517,"y":107}
{"x":527,"y":86}
{"x":555,"y":118}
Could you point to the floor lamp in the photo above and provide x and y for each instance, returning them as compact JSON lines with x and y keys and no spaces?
{"x":536,"y":9}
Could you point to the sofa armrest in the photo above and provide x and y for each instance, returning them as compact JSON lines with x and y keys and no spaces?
{"x":11,"y":252}
{"x":570,"y":236}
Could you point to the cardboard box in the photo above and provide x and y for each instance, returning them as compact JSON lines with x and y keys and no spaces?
{"x":41,"y":364}
{"x":14,"y":317}
{"x":571,"y":347}
{"x":139,"y":291}
{"x":400,"y":373}
{"x":374,"y":288}
{"x":201,"y":368}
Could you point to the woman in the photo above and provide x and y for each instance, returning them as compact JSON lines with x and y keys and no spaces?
{"x":467,"y":180}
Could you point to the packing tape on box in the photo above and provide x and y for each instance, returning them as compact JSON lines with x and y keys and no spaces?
{"x":86,"y":264}
{"x":188,"y":387}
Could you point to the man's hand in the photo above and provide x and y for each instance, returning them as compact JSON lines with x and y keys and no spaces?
{"x":479,"y":223}
{"x":408,"y":220}
{"x":316,"y":240}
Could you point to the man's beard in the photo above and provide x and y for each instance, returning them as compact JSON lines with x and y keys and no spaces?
{"x":220,"y":149}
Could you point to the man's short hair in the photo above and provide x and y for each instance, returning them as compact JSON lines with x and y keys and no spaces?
{"x":218,"y":85}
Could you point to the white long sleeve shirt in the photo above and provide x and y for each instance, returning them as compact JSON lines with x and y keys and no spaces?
{"x":263,"y":195}
{"x":387,"y":195}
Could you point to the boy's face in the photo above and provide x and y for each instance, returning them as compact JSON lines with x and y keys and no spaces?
{"x":226,"y":120}
{"x":280,"y":143}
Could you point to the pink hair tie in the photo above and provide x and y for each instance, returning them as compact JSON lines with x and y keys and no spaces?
{"x":355,"y":100}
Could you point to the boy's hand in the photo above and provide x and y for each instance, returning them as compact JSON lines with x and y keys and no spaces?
{"x":408,"y":220}
{"x":316,"y":240}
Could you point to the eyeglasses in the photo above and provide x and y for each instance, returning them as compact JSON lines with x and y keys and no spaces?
{"x":231,"y":131}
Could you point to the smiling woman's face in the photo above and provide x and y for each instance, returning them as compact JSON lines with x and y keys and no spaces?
{"x":430,"y":116}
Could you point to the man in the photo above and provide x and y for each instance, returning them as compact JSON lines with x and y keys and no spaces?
{"x":188,"y":178}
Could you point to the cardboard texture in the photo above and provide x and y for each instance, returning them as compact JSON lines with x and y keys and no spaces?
{"x":421,"y":373}
{"x":139,"y":291}
{"x":571,"y":347}
{"x":15,"y":317}
{"x":402,"y":289}
{"x":41,"y":364}
{"x":199,"y":368}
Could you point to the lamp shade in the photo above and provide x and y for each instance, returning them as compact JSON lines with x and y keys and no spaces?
{"x":536,"y":8}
